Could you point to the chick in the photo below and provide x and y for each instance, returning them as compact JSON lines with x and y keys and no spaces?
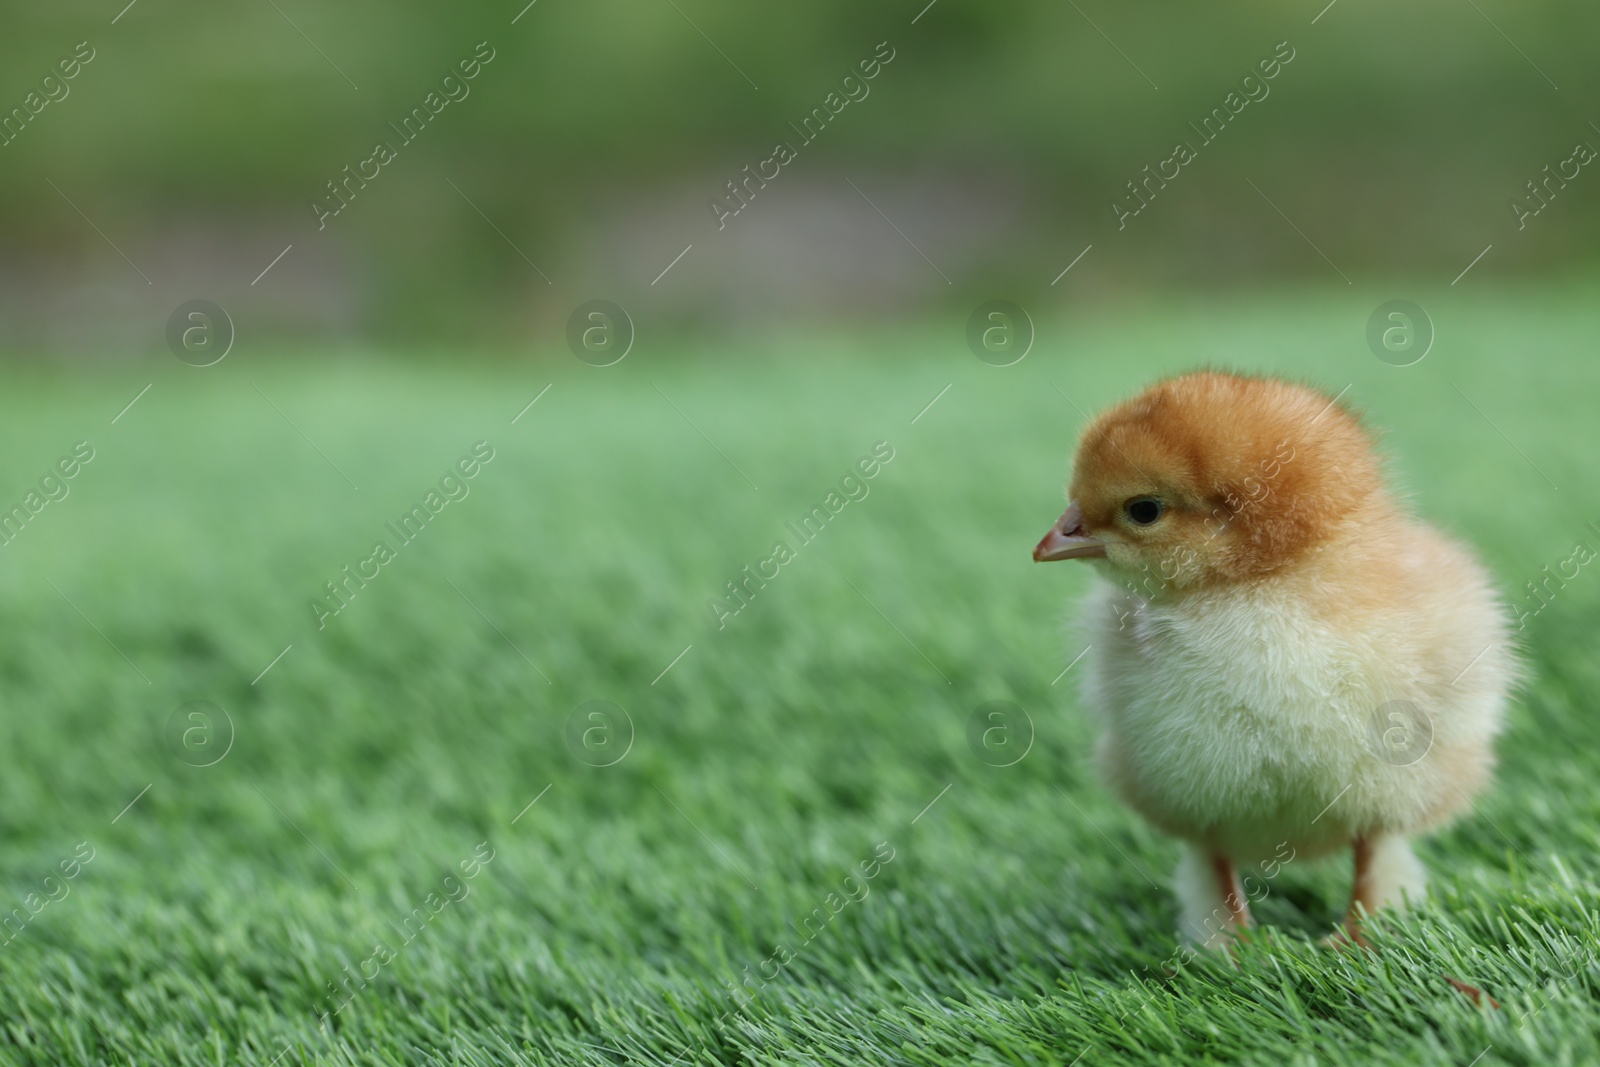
{"x":1286,"y":663}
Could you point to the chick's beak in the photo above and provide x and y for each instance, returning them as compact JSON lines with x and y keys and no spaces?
{"x":1066,"y":540}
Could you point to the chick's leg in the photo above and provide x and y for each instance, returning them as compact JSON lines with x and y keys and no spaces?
{"x":1212,"y":905}
{"x":1387,"y":874}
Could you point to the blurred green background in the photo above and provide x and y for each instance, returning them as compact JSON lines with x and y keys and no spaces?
{"x":996,"y":141}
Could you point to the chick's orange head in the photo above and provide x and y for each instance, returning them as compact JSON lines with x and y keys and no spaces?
{"x":1214,"y":477}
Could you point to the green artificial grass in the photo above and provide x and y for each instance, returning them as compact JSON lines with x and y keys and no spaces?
{"x":798,"y":858}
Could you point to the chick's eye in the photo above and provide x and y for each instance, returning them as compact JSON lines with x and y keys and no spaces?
{"x":1145,"y":510}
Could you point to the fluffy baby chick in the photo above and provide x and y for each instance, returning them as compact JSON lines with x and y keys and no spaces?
{"x":1285,"y":662}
